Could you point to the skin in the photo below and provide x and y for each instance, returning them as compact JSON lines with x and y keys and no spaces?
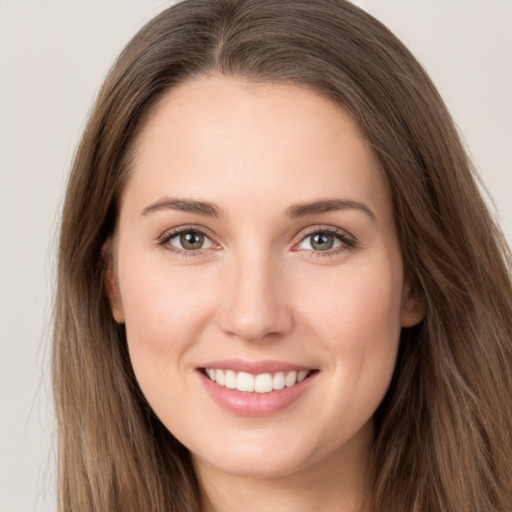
{"x":260,"y":290}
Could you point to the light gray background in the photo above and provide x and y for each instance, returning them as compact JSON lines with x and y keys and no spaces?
{"x":53,"y":56}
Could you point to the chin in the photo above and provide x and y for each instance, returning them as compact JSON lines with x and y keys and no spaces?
{"x":262,"y":458}
{"x":256,"y":466}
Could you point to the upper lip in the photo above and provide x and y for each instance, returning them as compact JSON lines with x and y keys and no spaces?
{"x":254,"y":367}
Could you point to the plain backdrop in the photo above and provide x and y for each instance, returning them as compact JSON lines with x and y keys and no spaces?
{"x":53,"y":56}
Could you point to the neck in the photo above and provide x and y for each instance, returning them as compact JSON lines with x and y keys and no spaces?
{"x":337,"y":482}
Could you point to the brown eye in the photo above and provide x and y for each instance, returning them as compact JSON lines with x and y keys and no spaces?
{"x":189,"y":240}
{"x":322,"y":241}
{"x":192,"y":241}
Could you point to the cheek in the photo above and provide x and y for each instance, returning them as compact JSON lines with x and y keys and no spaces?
{"x":355,"y":316}
{"x":353,"y":301}
{"x":165,"y":313}
{"x":163,"y":308}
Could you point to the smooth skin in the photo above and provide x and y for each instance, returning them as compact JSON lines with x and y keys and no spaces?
{"x":325,"y":289}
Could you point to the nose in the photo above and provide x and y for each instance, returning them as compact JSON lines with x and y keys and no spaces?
{"x":254,"y":305}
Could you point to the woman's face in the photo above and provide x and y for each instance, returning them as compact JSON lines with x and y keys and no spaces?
{"x":256,"y":247}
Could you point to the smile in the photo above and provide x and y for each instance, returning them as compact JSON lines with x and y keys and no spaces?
{"x":256,"y":388}
{"x":260,"y":383}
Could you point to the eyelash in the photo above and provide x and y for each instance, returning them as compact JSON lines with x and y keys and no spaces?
{"x":348,"y":241}
{"x":163,"y":241}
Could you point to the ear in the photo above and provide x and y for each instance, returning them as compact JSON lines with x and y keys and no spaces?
{"x":413,"y":304}
{"x":111,"y":284}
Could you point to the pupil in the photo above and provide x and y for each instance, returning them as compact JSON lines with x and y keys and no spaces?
{"x":191,"y":240}
{"x":322,"y":241}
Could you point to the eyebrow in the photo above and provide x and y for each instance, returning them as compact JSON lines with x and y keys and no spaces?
{"x":294,"y":211}
{"x":185,"y":205}
{"x":327,"y":205}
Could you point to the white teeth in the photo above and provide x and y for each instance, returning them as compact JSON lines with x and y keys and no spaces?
{"x":244,"y":382}
{"x":261,"y":383}
{"x":302,"y":375}
{"x":278,"y":382}
{"x":264,"y":383}
{"x":219,"y":377}
{"x":290,"y":379}
{"x":230,"y":381}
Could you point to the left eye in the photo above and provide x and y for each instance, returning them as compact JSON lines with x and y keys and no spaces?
{"x":322,"y":241}
{"x":190,"y":240}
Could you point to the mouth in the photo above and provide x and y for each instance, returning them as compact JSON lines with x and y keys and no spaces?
{"x":256,"y":383}
{"x":256,"y":388}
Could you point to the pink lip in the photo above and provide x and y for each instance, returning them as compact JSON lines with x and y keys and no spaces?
{"x":254,"y":367}
{"x":254,"y":404}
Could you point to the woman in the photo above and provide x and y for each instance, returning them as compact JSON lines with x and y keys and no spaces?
{"x":278,"y":284}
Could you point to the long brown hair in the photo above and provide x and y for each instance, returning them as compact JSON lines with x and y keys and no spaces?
{"x":443,"y":437}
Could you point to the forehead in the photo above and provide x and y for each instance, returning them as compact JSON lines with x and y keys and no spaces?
{"x":223,"y":138}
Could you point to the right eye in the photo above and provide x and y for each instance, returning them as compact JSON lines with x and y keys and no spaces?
{"x":187,"y":240}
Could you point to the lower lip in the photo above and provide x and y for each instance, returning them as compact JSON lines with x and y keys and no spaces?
{"x":255,"y":404}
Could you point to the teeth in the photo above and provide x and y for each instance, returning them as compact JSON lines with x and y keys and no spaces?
{"x":279,"y":380}
{"x":244,"y":381}
{"x":302,"y":375}
{"x":230,"y":381}
{"x":290,"y":379}
{"x":262,"y":383}
{"x":219,"y":377}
